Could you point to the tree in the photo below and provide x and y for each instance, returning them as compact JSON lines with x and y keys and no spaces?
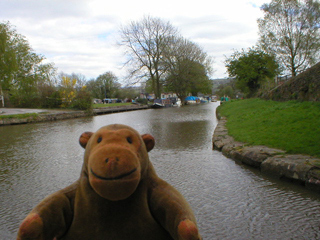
{"x":22,"y":72}
{"x":81,"y":79}
{"x":104,"y":86}
{"x":128,"y":93}
{"x":226,"y":90}
{"x":8,"y":61}
{"x":251,"y":68}
{"x":95,"y":89}
{"x":109,"y":84}
{"x":290,"y":31}
{"x":144,"y":42}
{"x":188,"y":67}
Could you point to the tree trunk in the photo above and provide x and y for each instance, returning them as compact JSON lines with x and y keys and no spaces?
{"x":2,"y":97}
{"x":158,"y":88}
{"x":182,"y":98}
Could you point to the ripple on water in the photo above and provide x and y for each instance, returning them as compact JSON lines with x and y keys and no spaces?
{"x":230,"y":201}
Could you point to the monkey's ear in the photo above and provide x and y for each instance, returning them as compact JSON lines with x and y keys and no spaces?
{"x":148,"y":141}
{"x":84,"y":138}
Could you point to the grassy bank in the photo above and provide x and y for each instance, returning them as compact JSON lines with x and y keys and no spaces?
{"x":101,"y":105}
{"x":291,"y":126}
{"x":20,"y":116}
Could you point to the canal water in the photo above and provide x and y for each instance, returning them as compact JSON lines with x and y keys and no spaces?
{"x":230,"y":201}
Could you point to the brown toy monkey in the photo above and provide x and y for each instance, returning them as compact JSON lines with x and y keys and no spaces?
{"x":117,"y":197}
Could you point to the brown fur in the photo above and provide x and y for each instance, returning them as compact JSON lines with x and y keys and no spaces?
{"x":117,"y":197}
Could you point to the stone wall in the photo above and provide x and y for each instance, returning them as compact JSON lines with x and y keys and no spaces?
{"x":297,"y":168}
{"x":304,"y":87}
{"x":69,"y":114}
{"x":44,"y":117}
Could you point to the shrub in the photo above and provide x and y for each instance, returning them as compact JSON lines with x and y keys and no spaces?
{"x":82,"y":101}
{"x":24,"y":99}
{"x":142,"y":101}
{"x":53,"y":101}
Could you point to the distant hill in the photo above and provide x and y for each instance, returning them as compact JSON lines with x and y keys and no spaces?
{"x":219,"y":81}
{"x":304,"y":87}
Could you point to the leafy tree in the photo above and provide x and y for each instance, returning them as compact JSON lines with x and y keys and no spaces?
{"x":148,"y":87}
{"x":188,"y":67}
{"x":104,"y":86}
{"x":22,"y":72}
{"x":95,"y":89}
{"x":290,"y":31}
{"x":226,"y":90}
{"x":8,"y":61}
{"x":189,"y":77}
{"x":109,"y":84}
{"x":251,"y":68}
{"x":128,"y":93}
{"x":144,"y":42}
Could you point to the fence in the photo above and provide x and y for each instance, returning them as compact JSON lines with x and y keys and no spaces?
{"x":282,"y":79}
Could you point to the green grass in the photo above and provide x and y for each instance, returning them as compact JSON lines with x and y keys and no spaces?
{"x":20,"y":116}
{"x":101,"y":105}
{"x":291,"y":126}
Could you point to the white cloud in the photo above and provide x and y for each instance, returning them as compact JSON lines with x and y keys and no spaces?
{"x":80,"y":35}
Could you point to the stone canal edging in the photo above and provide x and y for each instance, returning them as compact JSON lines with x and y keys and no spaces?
{"x":43,"y":117}
{"x":275,"y":162}
{"x":60,"y":115}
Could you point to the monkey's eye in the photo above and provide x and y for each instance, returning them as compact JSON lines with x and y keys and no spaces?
{"x":129,"y":139}
{"x":99,"y":139}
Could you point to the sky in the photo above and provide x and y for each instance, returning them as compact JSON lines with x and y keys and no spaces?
{"x":80,"y":36}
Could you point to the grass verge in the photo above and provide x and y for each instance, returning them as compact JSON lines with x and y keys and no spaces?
{"x":20,"y":116}
{"x":101,"y":105}
{"x":291,"y":126}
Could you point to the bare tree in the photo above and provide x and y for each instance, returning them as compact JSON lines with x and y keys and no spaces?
{"x":144,"y":41}
{"x":290,"y":31}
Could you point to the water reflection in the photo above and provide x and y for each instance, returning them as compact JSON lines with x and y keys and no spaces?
{"x":230,"y":201}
